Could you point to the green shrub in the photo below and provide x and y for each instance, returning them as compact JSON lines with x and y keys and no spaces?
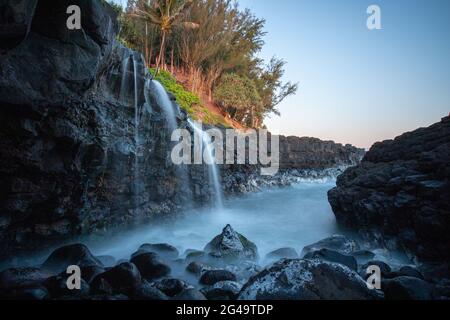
{"x":185,"y":99}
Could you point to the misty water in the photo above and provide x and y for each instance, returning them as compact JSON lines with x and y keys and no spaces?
{"x":288,"y":217}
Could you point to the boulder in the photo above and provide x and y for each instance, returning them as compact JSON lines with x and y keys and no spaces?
{"x":57,"y":288}
{"x":384,"y":268}
{"x":151,"y":266}
{"x":338,"y":243}
{"x":88,"y":273}
{"x":283,"y":253}
{"x":197,"y":268}
{"x":36,"y":292}
{"x":231,"y":245}
{"x":333,"y":256}
{"x":211,"y":277}
{"x":407,"y":288}
{"x":190,"y":295}
{"x":171,"y":287}
{"x":223,"y":290}
{"x":146,"y":291}
{"x":307,"y":280}
{"x":122,"y":279}
{"x":76,"y":254}
{"x":21,"y":277}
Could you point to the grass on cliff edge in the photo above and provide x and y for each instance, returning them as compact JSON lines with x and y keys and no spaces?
{"x":187,"y":100}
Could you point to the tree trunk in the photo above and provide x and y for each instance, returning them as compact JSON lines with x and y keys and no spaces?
{"x":171,"y":62}
{"x":146,"y":42}
{"x":160,"y":62}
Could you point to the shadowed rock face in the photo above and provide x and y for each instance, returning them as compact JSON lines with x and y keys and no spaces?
{"x":73,"y":159}
{"x":401,"y":191}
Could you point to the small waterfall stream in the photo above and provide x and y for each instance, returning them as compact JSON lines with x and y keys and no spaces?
{"x":136,"y":171}
{"x":212,"y":166}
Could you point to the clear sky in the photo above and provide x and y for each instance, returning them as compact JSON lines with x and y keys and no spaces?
{"x":359,"y":86}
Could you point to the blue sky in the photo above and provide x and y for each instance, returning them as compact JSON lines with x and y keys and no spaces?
{"x":359,"y":86}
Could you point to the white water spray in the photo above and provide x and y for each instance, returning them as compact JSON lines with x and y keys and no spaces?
{"x":212,"y":166}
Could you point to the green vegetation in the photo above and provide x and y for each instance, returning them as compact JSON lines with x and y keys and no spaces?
{"x":187,"y":100}
{"x":208,"y":42}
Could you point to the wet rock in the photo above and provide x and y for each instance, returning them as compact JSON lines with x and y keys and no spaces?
{"x":407,"y":288}
{"x":197,"y":268}
{"x":76,"y":254}
{"x":190,"y":295}
{"x":15,"y":22}
{"x":122,"y":279}
{"x":57,"y":287}
{"x":146,"y":291}
{"x":363,"y":256}
{"x":401,"y":190}
{"x":384,"y":268}
{"x":213,"y":276}
{"x":283,"y":253}
{"x":171,"y":287}
{"x":90,"y":272}
{"x":223,"y":290}
{"x":28,"y":293}
{"x":337,"y":243}
{"x":151,"y":266}
{"x":333,"y":256}
{"x":408,"y":271}
{"x":306,"y":280}
{"x":166,"y":251}
{"x":21,"y":277}
{"x":230,"y":245}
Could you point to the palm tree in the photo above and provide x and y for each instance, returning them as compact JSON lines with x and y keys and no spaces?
{"x":165,"y":14}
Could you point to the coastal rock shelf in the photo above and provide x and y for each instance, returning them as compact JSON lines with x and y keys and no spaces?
{"x":148,"y":275}
{"x":399,"y":195}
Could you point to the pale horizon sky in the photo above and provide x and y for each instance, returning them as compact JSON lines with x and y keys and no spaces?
{"x":358,"y":86}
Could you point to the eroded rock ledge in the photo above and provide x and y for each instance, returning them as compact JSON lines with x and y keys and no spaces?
{"x":400,"y":193}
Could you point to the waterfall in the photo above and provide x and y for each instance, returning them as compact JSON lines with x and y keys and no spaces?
{"x":164,"y":102}
{"x":136,"y":133}
{"x":124,"y":81}
{"x":212,"y":167}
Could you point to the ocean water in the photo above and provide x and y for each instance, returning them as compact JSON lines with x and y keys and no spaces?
{"x":287,"y":217}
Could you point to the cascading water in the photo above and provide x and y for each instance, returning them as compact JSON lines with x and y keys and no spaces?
{"x":212,"y":166}
{"x":166,"y":104}
{"x":136,"y":133}
{"x":125,"y":76}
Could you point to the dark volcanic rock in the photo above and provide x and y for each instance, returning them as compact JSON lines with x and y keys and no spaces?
{"x":231,"y":245}
{"x":15,"y":22}
{"x":171,"y":287}
{"x":151,"y":266}
{"x":28,"y":293}
{"x":333,"y":256}
{"x":211,"y":277}
{"x":288,"y":253}
{"x":148,"y":292}
{"x":70,"y":163}
{"x":306,"y":280}
{"x":402,"y":190}
{"x":76,"y":254}
{"x":57,"y":288}
{"x":21,"y":277}
{"x":337,"y":243}
{"x":384,"y":268}
{"x":122,"y":279}
{"x":407,"y":288}
{"x":190,"y":295}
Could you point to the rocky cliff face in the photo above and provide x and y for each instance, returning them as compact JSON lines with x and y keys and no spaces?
{"x":301,"y":159}
{"x":84,"y":141}
{"x":400,"y":193}
{"x":78,"y":152}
